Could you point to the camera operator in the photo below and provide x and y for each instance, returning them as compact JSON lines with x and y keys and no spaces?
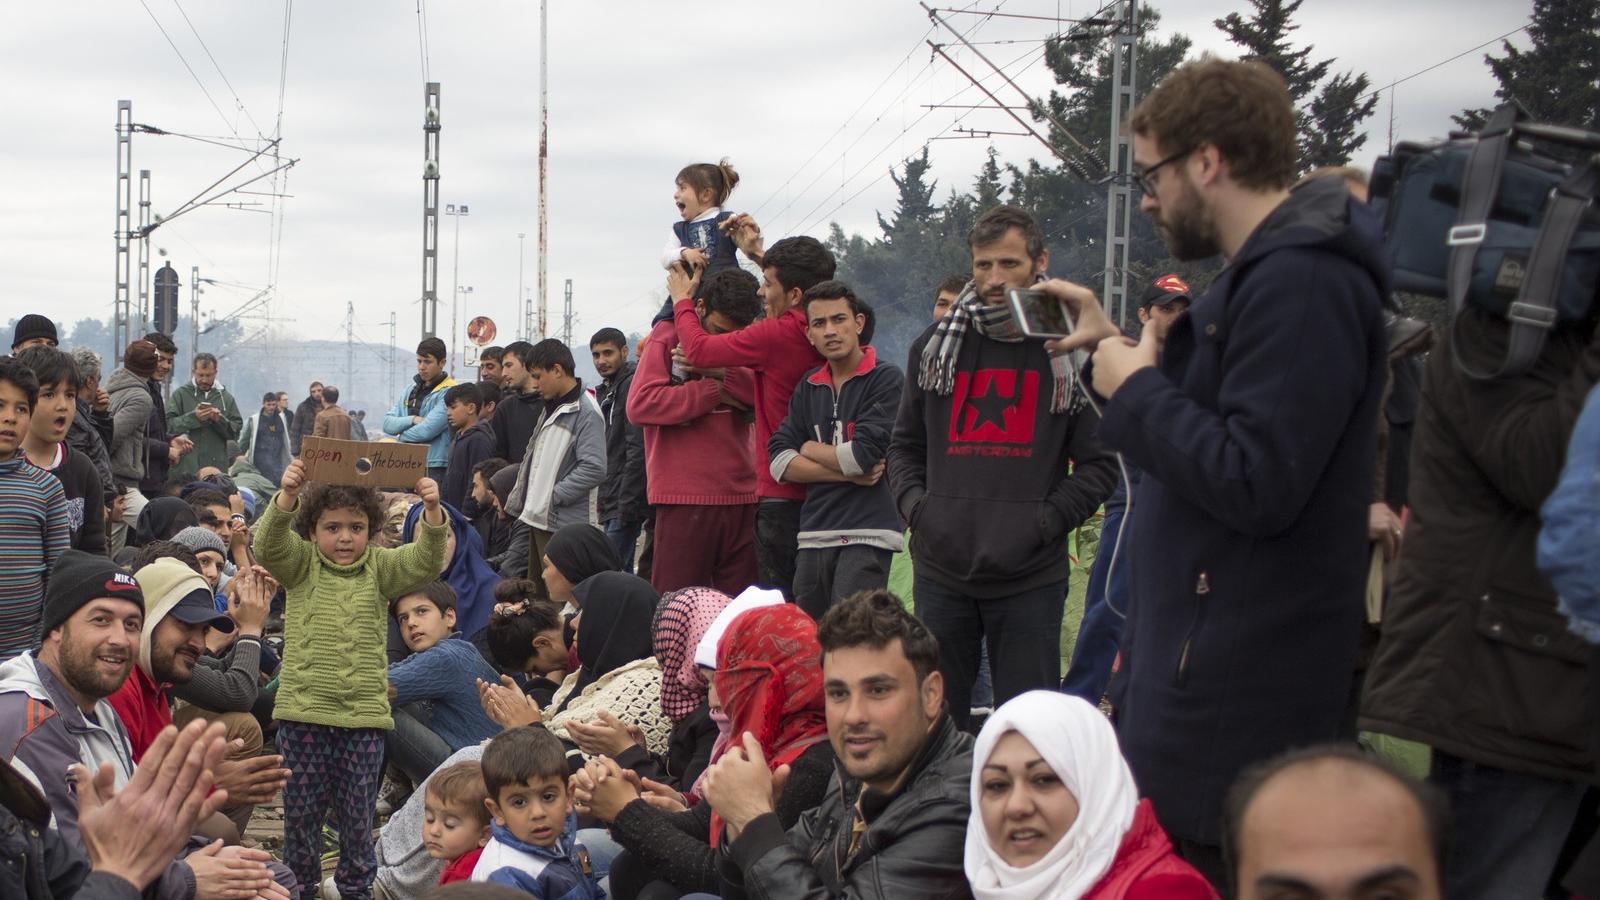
{"x":1474,"y":659}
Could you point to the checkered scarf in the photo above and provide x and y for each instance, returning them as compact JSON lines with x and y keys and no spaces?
{"x":937,"y":372}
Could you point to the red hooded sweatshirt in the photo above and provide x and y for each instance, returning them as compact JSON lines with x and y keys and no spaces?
{"x":697,"y":449}
{"x":777,"y":352}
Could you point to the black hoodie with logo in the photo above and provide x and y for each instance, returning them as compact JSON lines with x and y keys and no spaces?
{"x":989,"y":479}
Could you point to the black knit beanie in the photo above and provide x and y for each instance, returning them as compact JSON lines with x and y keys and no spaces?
{"x":80,"y":577}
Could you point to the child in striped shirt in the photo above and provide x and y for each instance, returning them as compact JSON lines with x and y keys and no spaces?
{"x":33,"y":516}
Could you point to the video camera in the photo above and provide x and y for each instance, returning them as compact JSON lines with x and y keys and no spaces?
{"x":1504,"y":220}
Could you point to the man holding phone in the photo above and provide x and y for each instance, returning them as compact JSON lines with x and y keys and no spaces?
{"x":992,"y":462}
{"x":206,"y":413}
{"x":1254,"y":420}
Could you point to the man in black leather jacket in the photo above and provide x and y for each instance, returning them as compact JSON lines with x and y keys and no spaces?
{"x":893,"y":822}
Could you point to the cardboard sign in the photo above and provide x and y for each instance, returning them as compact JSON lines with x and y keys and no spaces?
{"x":379,"y":465}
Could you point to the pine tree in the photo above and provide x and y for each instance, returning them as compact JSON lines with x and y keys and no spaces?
{"x":1328,"y":115}
{"x":987,"y":189}
{"x":1557,"y":80}
{"x":914,"y":213}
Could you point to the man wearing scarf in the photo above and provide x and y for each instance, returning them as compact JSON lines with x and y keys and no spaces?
{"x":420,"y":416}
{"x":992,"y":463}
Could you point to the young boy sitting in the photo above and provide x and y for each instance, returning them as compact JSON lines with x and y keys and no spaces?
{"x":433,"y":692}
{"x":472,"y":443}
{"x":455,"y":823}
{"x":534,"y":846}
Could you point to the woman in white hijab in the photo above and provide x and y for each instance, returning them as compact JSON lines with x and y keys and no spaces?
{"x":1056,"y":816}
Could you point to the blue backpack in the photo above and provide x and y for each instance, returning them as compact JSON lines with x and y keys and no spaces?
{"x":1501,"y":220}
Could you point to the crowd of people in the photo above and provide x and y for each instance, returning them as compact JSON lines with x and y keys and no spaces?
{"x":635,"y":639}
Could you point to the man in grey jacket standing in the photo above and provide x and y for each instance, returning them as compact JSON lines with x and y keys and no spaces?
{"x":130,"y":422}
{"x":558,"y":483}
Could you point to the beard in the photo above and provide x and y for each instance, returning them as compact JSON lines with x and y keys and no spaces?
{"x":80,"y":667}
{"x":1186,"y":226}
{"x":174,"y":665}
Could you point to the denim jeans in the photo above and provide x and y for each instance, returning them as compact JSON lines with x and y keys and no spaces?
{"x":1508,"y":828}
{"x":624,"y":538}
{"x":1023,"y":633}
{"x":1105,"y":608}
{"x":414,"y":747}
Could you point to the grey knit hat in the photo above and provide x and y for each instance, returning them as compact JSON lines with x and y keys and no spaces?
{"x":196,"y":539}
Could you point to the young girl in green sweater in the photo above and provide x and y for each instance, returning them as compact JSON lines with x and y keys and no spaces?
{"x":332,"y":703}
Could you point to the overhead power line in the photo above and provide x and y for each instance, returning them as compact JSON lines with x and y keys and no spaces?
{"x":1441,"y":63}
{"x":236,"y":101}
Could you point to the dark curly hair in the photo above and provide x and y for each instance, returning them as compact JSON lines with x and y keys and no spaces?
{"x":873,"y":619}
{"x":319,"y":498}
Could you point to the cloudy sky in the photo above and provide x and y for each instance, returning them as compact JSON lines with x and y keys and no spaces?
{"x":812,"y":102}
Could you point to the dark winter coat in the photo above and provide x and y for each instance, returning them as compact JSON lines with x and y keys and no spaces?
{"x":1257,"y":434}
{"x":471,"y":447}
{"x":912,"y":847}
{"x":516,"y":418}
{"x":1474,"y":659}
{"x":36,"y":862}
{"x":157,"y":443}
{"x":303,"y":422}
{"x":623,"y":493}
{"x":91,"y":434}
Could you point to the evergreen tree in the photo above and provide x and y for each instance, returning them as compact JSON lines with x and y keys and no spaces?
{"x":1328,"y":114}
{"x":1558,"y":79}
{"x":987,"y":189}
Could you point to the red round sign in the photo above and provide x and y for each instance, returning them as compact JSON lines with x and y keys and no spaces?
{"x":481,"y":330}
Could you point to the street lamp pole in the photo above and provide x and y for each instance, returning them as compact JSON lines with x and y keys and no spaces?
{"x":451,"y":209}
{"x":521,"y":259}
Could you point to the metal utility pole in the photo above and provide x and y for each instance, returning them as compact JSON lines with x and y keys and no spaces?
{"x":144,"y":251}
{"x":349,"y":349}
{"x":121,"y":312}
{"x":194,"y":311}
{"x":566,"y":316}
{"x":391,"y":354}
{"x":450,"y":209}
{"x":1119,"y":189}
{"x":544,"y":161}
{"x":527,"y":311}
{"x":430,"y":210}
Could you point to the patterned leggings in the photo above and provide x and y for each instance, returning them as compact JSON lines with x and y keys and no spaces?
{"x":341,"y":769}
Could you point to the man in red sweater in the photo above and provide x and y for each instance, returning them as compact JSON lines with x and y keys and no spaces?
{"x":179,"y":609}
{"x":698,"y":458}
{"x":778,"y":353}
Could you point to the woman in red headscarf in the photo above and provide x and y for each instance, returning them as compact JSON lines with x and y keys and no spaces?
{"x":768,"y":682}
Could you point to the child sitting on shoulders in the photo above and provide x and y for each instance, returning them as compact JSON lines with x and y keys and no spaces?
{"x":332,"y":699}
{"x":534,"y":847}
{"x":699,"y":238}
{"x":455,"y":824}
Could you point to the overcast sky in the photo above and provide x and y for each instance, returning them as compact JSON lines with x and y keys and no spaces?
{"x":637,"y":90}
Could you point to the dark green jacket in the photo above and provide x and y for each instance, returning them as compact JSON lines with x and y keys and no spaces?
{"x":210,"y":438}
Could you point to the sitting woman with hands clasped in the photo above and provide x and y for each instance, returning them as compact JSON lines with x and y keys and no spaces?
{"x":1056,"y":816}
{"x":768,"y":682}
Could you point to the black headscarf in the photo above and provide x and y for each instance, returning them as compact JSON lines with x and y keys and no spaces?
{"x":582,"y":551}
{"x":614,"y":629}
{"x":162,"y":518}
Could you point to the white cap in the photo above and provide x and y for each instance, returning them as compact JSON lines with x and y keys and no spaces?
{"x":705,"y":653}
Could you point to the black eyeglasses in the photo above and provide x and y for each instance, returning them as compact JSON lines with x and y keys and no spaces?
{"x":1142,"y":179}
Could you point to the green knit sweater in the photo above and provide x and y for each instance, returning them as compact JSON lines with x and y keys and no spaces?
{"x":335,"y":670}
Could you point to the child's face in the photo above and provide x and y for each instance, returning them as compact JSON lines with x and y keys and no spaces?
{"x":15,"y":417}
{"x":534,"y":812}
{"x":342,"y":535}
{"x":451,"y":830}
{"x":460,"y":415}
{"x":691,"y":203}
{"x":482,"y":494}
{"x":52,"y":413}
{"x":421,"y":623}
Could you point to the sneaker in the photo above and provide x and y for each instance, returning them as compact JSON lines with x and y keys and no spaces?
{"x":393,"y":793}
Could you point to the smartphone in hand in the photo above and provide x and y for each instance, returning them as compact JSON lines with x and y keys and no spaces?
{"x":1039,"y":314}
